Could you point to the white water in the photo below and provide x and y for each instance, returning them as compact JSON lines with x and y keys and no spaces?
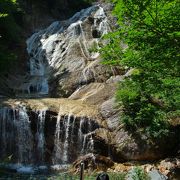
{"x":66,"y":142}
{"x":88,"y":142}
{"x":57,"y":142}
{"x":62,"y":139}
{"x":80,"y":134}
{"x":15,"y":134}
{"x":16,"y":138}
{"x":51,"y":50}
{"x":73,"y":135}
{"x":40,"y":134}
{"x":103,"y":25}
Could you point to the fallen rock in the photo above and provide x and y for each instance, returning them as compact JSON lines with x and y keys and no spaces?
{"x":93,"y":162}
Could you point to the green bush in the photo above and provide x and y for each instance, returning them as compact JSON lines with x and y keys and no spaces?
{"x":139,"y":174}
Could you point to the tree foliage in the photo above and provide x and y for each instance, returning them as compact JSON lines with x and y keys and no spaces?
{"x":9,"y":32}
{"x":150,"y":29}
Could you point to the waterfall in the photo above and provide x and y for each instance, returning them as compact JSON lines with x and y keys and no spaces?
{"x":66,"y":142}
{"x":80,"y":134}
{"x":88,"y":142}
{"x":17,"y":138}
{"x":63,"y":46}
{"x":103,"y":25}
{"x":59,"y":56}
{"x":15,"y":134}
{"x":57,"y":142}
{"x":62,"y":139}
{"x":40,"y":134}
{"x":73,"y":137}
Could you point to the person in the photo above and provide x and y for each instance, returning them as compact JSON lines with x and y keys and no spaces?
{"x":102,"y":176}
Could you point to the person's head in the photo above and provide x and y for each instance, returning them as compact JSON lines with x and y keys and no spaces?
{"x":102,"y":176}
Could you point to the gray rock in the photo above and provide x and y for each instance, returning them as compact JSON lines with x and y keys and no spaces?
{"x":156,"y":175}
{"x":110,"y":113}
{"x":94,"y":93}
{"x":136,"y":145}
{"x":63,"y":54}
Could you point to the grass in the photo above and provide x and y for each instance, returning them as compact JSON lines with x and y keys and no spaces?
{"x":114,"y":176}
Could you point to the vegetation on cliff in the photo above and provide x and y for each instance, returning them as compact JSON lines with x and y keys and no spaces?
{"x":147,"y":40}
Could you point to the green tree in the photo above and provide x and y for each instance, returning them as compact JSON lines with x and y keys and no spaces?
{"x":150,"y":29}
{"x":9,"y":32}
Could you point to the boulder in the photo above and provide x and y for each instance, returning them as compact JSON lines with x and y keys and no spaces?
{"x":93,"y":162}
{"x":138,"y":146}
{"x":156,"y":175}
{"x":109,"y":112}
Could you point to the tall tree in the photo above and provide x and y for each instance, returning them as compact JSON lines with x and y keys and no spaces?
{"x":150,"y":29}
{"x":9,"y":32}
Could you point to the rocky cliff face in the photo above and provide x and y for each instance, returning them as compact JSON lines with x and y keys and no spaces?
{"x":63,"y":62}
{"x":63,"y":57}
{"x":83,"y":120}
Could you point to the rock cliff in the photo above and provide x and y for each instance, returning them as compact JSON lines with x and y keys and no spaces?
{"x":65,"y":106}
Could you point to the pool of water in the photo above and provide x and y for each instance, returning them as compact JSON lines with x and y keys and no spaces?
{"x":19,"y":176}
{"x":19,"y":172}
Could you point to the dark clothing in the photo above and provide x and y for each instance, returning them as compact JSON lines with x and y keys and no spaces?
{"x":102,"y":176}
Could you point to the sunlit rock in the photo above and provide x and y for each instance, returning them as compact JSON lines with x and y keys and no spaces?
{"x":65,"y":53}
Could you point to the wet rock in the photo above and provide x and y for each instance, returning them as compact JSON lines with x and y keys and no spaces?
{"x":63,"y":55}
{"x":93,"y":162}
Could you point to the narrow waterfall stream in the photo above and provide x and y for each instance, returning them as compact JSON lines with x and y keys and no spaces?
{"x":40,"y":134}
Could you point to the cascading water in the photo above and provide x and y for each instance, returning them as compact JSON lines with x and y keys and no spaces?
{"x":15,"y":135}
{"x":88,"y":142}
{"x":73,"y":137}
{"x":40,"y":134}
{"x":17,"y":138}
{"x":51,"y":50}
{"x":64,"y":47}
{"x":66,"y":142}
{"x":57,"y":142}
